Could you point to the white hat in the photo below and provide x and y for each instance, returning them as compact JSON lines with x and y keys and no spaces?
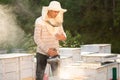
{"x":55,"y":5}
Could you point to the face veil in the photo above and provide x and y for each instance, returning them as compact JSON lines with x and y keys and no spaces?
{"x":57,"y":21}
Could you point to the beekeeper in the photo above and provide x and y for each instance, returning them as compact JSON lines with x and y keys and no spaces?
{"x":47,"y":34}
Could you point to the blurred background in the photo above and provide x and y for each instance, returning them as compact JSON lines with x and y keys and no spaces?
{"x":85,"y":22}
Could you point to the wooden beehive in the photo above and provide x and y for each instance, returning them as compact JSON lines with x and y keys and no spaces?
{"x":85,"y":72}
{"x":16,"y":67}
{"x":74,"y":52}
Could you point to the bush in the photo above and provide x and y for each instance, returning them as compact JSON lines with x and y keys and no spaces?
{"x":72,"y":41}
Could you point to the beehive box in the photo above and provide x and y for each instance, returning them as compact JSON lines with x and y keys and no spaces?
{"x":100,"y":58}
{"x":113,"y":72}
{"x":9,"y":67}
{"x":27,"y":67}
{"x":96,"y":48}
{"x":119,"y":71}
{"x":89,"y":72}
{"x":118,"y":60}
{"x":14,"y":67}
{"x":74,"y":52}
{"x":66,"y":60}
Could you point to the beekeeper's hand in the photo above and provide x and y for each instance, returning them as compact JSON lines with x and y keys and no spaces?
{"x":60,"y":36}
{"x":52,"y":52}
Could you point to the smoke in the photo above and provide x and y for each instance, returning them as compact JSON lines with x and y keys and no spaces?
{"x":10,"y":33}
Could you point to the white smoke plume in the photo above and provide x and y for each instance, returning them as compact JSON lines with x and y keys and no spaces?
{"x":10,"y":32}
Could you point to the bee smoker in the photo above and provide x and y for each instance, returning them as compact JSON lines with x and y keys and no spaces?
{"x":53,"y":59}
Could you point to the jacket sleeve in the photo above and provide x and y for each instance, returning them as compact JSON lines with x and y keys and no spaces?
{"x":38,"y":39}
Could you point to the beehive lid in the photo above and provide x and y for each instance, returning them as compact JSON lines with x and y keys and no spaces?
{"x":101,"y":57}
{"x":96,"y":45}
{"x":13,"y":55}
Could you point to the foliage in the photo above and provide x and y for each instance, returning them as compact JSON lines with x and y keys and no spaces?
{"x":72,"y":41}
{"x":28,"y":43}
{"x":6,"y":1}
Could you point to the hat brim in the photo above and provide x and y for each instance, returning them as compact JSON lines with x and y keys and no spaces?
{"x":63,"y":10}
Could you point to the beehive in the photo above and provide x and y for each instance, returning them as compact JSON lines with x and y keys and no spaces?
{"x":27,"y":67}
{"x":86,"y":72}
{"x":9,"y":67}
{"x":74,"y":52}
{"x":16,"y":67}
